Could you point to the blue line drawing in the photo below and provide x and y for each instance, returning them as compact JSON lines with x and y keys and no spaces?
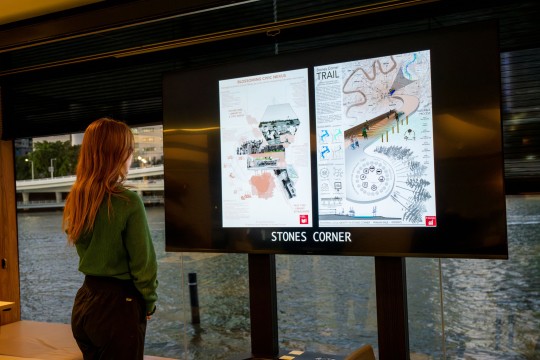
{"x":324,"y":134}
{"x":324,"y":151}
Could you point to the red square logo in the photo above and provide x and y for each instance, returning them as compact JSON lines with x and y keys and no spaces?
{"x":304,"y":219}
{"x":431,"y":221}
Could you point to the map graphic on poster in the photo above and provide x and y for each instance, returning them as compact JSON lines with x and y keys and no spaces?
{"x":374,"y":129}
{"x":265,"y":152}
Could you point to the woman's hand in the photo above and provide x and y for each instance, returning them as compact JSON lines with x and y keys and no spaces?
{"x":150,"y":313}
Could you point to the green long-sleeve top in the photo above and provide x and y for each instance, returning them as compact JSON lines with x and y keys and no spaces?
{"x":120,"y":246}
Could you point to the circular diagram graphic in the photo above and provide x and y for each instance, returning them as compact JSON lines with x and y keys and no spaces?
{"x":371,"y":179}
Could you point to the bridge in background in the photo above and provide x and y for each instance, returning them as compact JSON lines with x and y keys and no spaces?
{"x":136,"y":179}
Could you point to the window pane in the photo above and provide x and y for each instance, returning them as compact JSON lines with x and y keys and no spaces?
{"x":424,"y":308}
{"x":326,"y":304}
{"x":223,"y":298}
{"x":492,"y":307}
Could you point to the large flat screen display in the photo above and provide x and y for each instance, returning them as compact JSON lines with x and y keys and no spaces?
{"x":387,"y":148}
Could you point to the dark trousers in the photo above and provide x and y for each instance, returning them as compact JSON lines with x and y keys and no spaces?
{"x":109,"y":319}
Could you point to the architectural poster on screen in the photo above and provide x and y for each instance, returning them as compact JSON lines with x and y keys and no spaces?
{"x":374,"y":126}
{"x":265,"y":152}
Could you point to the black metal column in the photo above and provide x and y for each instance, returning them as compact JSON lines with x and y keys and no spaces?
{"x":263,"y":306}
{"x":392,"y":319}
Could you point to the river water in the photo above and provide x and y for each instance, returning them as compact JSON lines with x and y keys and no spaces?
{"x":325,"y":303}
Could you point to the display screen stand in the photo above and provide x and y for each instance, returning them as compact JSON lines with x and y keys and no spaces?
{"x":392,"y":319}
{"x":263,"y":306}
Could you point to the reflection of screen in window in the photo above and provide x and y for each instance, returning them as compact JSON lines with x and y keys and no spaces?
{"x":375,"y":157}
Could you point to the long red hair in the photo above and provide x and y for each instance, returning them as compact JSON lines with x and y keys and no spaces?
{"x":107,"y":145}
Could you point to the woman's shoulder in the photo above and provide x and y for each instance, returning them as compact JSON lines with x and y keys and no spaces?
{"x":128,"y":192}
{"x":129,"y":196}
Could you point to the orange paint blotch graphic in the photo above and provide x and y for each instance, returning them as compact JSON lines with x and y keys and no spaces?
{"x":263,"y":185}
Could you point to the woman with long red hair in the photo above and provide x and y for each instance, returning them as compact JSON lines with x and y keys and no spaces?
{"x":107,"y":224}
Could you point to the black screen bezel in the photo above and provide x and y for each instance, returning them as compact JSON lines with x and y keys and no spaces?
{"x":470,"y":198}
